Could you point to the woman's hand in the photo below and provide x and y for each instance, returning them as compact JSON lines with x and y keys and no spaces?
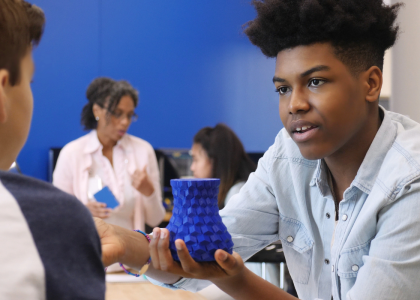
{"x":226,"y":265}
{"x":142,"y":183}
{"x":98,"y":209}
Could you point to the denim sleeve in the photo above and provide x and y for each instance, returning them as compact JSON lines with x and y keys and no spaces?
{"x":251,"y":217}
{"x":391,"y":268}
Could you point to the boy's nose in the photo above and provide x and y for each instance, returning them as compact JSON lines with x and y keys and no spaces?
{"x":298,"y":102}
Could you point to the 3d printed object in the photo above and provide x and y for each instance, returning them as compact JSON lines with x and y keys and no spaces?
{"x":196,"y":220}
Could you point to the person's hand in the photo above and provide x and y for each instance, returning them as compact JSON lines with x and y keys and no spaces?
{"x":113,"y":247}
{"x":142,"y":183}
{"x":98,"y":209}
{"x":122,"y":245}
{"x":226,"y":265}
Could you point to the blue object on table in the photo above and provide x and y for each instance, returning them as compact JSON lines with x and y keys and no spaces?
{"x":106,"y":196}
{"x":196,"y":220}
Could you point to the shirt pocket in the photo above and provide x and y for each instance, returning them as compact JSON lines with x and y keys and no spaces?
{"x":298,"y":249}
{"x":349,"y":264}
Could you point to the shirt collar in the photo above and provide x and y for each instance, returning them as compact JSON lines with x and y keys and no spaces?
{"x":94,"y":144}
{"x":369,"y":169}
{"x":320,"y":178}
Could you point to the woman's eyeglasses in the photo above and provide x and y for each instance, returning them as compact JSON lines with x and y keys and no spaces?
{"x":119,"y":115}
{"x":132,"y":117}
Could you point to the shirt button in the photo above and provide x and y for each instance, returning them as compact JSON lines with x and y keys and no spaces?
{"x":332,"y":268}
{"x":344,"y":217}
{"x":327,"y":261}
{"x":355,"y":268}
{"x":328,"y":215}
{"x":290,"y":239}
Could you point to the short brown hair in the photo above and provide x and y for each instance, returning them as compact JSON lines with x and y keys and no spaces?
{"x":21,"y":26}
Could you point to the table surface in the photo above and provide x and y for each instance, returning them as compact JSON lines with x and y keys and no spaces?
{"x":145,"y":290}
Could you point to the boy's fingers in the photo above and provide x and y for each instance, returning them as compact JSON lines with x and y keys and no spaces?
{"x":228,"y":262}
{"x":188,"y":264}
{"x":165,"y":257}
{"x":153,"y":248}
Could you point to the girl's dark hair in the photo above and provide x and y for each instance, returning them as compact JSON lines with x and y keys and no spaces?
{"x":105,"y":92}
{"x":359,"y":30}
{"x":230,"y":161}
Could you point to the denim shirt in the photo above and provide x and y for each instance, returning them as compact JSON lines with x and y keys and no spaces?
{"x":376,"y":249}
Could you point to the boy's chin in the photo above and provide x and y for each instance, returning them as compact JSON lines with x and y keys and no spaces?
{"x":311,"y":153}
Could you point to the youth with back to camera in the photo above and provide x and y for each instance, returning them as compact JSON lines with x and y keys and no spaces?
{"x":327,"y":187}
{"x":40,"y":236}
{"x":109,"y":156}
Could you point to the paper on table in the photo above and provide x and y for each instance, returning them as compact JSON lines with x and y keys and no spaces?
{"x":123,"y":278}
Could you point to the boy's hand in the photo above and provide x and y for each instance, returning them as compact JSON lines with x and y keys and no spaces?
{"x":226,"y":265}
{"x":142,"y":183}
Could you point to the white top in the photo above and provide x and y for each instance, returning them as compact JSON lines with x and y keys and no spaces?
{"x":234,"y":190}
{"x":103,"y":174}
{"x":82,"y":159}
{"x":23,"y":274}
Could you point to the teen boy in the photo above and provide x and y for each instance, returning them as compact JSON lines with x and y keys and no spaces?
{"x":340,"y":187}
{"x":49,"y":249}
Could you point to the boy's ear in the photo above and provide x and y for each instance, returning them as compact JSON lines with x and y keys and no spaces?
{"x":374,"y":82}
{"x":4,"y":82}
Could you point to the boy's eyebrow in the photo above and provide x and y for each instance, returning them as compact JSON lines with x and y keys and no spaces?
{"x":315,"y":69}
{"x":278,"y":79}
{"x":306,"y":73}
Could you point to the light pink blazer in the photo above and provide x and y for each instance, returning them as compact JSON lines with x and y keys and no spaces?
{"x":71,"y":174}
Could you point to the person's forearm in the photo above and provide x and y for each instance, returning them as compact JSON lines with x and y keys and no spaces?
{"x":136,"y":248}
{"x":162,"y":276}
{"x":137,"y":253}
{"x":248,"y":286}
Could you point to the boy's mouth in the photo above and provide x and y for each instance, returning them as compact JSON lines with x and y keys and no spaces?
{"x":303,"y":129}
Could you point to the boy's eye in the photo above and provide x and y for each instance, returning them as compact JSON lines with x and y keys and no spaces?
{"x":316,"y":82}
{"x":282,"y":90}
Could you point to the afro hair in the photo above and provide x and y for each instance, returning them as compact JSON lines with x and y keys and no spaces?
{"x":359,"y":30}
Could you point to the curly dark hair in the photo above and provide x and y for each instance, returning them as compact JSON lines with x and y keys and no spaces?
{"x":359,"y":30}
{"x":96,"y":93}
{"x":105,"y":92}
{"x":230,"y":162}
{"x":120,"y":89}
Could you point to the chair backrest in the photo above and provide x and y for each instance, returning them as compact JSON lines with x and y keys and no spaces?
{"x":52,"y":161}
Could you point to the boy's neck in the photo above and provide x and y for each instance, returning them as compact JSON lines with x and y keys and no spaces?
{"x":345,"y":163}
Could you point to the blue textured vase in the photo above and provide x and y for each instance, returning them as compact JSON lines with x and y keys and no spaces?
{"x":196,"y":220}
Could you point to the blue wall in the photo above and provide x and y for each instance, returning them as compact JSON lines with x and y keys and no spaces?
{"x":189,"y":59}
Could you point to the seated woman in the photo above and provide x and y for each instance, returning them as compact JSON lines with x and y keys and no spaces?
{"x":108,"y":156}
{"x":218,"y":153}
